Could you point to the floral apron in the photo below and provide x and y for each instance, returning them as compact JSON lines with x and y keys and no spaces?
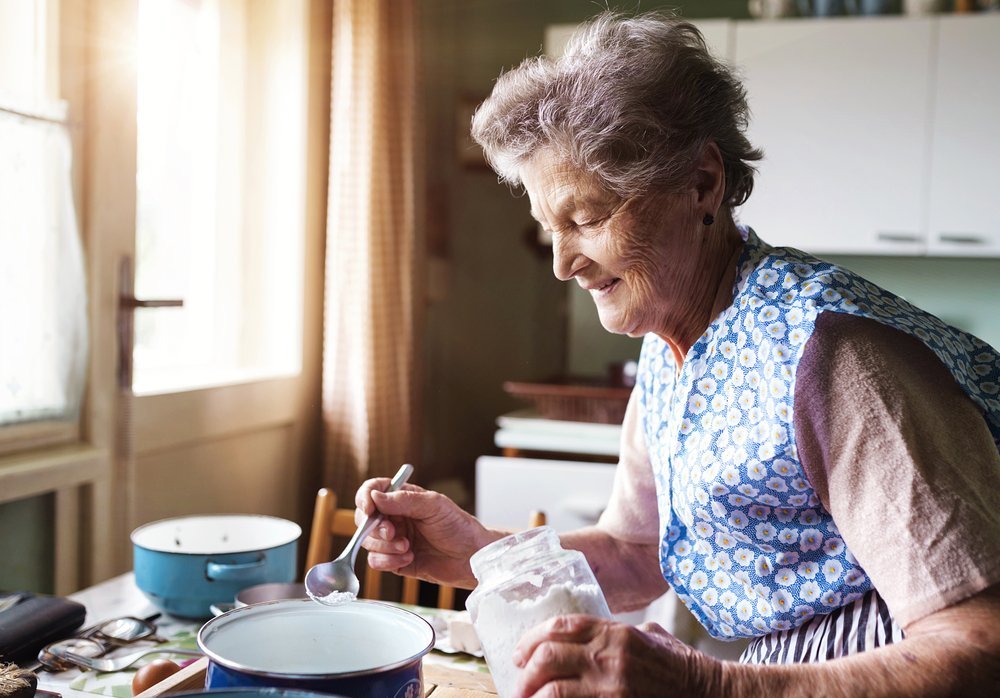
{"x":745,"y":541}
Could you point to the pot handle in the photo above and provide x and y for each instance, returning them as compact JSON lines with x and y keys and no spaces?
{"x":218,"y":609}
{"x":233,"y":571}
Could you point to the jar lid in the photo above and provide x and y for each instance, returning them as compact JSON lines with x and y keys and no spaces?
{"x":514,"y":549}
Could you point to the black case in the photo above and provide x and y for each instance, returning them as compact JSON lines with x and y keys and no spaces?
{"x":35,"y":622}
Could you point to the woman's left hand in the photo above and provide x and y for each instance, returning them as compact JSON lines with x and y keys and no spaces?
{"x":585,"y":656}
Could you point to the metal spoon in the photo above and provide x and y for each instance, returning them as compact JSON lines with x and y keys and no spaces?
{"x":119,"y":663}
{"x":334,"y":583}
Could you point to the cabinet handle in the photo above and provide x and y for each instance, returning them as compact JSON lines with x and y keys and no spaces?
{"x":962,"y":238}
{"x":885,"y":236}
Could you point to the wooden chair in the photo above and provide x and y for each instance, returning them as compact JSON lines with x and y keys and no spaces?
{"x":329,"y":522}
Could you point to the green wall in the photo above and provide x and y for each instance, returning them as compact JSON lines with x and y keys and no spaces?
{"x":26,"y":528}
{"x":962,"y":292}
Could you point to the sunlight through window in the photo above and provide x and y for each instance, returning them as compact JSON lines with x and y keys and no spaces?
{"x":220,"y":192}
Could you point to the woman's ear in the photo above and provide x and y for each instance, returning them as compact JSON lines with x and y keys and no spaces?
{"x":710,"y":179}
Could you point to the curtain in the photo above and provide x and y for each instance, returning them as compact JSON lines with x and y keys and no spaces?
{"x":372,"y":296}
{"x":43,"y":352}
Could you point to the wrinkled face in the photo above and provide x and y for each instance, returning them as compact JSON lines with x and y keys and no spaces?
{"x":636,"y":257}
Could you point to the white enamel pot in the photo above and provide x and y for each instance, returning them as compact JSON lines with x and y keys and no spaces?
{"x":362,"y":648}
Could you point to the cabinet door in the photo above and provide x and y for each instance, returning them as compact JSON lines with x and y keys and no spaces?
{"x":841,"y":109}
{"x":718,"y":35}
{"x":965,"y":148}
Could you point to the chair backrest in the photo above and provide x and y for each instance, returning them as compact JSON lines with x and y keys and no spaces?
{"x":330,"y":522}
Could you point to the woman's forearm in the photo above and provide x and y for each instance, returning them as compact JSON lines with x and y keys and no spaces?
{"x":918,"y":667}
{"x":954,"y":652}
{"x":629,"y":573}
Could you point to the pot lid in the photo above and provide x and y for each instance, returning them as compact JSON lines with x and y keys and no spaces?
{"x":299,"y":638}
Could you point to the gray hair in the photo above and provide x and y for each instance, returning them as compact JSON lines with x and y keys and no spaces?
{"x":633,"y":100}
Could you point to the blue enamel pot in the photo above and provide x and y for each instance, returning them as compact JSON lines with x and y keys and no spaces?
{"x":362,"y":649}
{"x":185,"y":565}
{"x":250,"y":693}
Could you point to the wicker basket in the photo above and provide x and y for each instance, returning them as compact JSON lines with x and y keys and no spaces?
{"x":574,"y":400}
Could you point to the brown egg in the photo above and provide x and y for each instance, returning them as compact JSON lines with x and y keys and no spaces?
{"x":152,"y":673}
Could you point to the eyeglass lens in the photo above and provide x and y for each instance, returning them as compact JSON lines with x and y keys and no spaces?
{"x":52,"y":655}
{"x":125,"y":630}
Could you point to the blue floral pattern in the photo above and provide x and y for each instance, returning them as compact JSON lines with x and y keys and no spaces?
{"x":745,"y":541}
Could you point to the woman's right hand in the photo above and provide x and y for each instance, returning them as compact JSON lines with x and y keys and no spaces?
{"x":424,"y":534}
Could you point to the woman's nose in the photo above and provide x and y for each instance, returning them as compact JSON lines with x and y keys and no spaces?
{"x":567,"y":259}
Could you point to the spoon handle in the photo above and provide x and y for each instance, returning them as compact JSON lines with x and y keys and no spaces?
{"x":369,"y":524}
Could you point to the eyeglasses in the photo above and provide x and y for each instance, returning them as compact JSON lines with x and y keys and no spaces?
{"x":97,"y":640}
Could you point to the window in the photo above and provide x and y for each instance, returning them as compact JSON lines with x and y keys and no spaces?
{"x":43,"y":339}
{"x":220,"y":99}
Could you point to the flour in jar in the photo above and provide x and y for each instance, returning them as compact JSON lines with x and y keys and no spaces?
{"x":500,"y":623}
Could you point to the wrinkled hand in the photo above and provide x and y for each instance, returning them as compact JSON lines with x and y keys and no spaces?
{"x":585,"y":656}
{"x":424,"y":534}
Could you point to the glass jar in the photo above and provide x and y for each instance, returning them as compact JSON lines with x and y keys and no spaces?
{"x":525,"y":579}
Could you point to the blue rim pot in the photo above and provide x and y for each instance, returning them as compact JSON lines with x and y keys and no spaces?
{"x":250,"y":693}
{"x":186,"y":564}
{"x":358,"y":649}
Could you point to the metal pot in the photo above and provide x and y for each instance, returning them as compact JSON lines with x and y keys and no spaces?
{"x":260,"y":593}
{"x":185,"y":565}
{"x":362,"y":648}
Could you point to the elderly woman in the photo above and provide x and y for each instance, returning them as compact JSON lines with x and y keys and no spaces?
{"x":808,"y":460}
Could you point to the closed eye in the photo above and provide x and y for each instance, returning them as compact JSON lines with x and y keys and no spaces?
{"x":590,"y":223}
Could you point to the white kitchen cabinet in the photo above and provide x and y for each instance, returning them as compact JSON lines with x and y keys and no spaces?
{"x":718,"y":34}
{"x":879,"y":133}
{"x":841,"y":109}
{"x":965,"y":144}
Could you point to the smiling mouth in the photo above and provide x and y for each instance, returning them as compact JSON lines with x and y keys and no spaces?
{"x":606,"y":287}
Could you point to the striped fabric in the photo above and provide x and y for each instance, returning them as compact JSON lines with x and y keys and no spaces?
{"x":857,"y":627}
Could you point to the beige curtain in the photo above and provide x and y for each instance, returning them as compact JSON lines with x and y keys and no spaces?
{"x":373,"y":242}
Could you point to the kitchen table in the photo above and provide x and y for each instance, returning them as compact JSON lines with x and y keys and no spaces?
{"x":445,"y":675}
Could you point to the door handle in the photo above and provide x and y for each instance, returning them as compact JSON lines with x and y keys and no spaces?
{"x":130,"y":302}
{"x":127,"y":303}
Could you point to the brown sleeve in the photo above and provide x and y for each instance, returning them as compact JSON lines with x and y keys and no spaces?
{"x":903,"y":460}
{"x":632,"y":515}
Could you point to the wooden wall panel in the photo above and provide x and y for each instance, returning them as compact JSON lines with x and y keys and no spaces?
{"x":245,"y":473}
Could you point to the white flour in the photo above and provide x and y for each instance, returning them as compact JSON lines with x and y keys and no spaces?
{"x":334,"y":598}
{"x":500,"y":624}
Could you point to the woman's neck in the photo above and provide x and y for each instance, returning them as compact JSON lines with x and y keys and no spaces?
{"x":712,"y":290}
